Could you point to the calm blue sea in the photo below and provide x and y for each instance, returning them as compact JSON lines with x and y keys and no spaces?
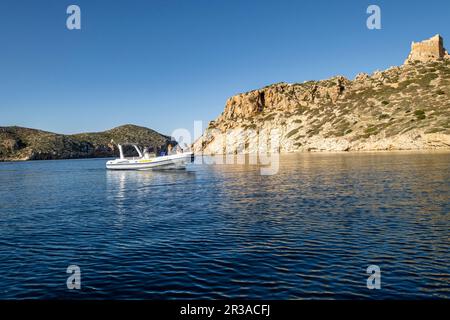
{"x":225,"y":231}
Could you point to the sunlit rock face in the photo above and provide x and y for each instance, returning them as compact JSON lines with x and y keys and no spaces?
{"x":401,"y":108}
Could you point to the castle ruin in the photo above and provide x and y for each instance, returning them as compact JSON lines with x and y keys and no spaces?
{"x":428,"y":50}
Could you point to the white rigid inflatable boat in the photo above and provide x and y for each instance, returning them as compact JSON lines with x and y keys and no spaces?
{"x":145,"y":162}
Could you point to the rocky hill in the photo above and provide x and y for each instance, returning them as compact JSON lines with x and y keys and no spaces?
{"x":17,"y":143}
{"x":402,"y":108}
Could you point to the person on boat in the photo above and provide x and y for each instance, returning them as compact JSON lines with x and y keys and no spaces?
{"x":169,"y":149}
{"x":160,"y":152}
{"x":146,"y":153}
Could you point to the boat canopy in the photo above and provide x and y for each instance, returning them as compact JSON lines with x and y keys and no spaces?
{"x":130,"y":144}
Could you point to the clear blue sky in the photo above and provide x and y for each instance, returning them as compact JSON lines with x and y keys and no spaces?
{"x":165,"y":63}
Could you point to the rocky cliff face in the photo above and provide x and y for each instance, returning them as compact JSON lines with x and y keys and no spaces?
{"x":17,"y":143}
{"x":402,"y":108}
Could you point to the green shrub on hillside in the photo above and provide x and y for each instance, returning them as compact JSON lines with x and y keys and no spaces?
{"x":420,"y":114}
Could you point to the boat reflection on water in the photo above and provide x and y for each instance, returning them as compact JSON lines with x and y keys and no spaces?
{"x":145,"y":189}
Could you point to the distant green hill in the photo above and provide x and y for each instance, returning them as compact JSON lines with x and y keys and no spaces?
{"x":18,"y":143}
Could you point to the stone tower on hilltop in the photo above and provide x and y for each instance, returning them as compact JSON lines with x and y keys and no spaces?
{"x":428,"y":50}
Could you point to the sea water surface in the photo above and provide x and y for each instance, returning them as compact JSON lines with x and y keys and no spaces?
{"x":225,"y":231}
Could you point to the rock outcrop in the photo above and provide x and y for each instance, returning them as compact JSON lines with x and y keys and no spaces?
{"x":17,"y":143}
{"x":402,"y":108}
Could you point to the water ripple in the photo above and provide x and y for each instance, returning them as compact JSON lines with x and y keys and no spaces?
{"x":221,"y":232}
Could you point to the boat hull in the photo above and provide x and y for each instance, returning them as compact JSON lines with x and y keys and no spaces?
{"x":176,"y":161}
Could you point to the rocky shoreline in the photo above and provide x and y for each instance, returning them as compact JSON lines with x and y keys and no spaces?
{"x":401,"y":108}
